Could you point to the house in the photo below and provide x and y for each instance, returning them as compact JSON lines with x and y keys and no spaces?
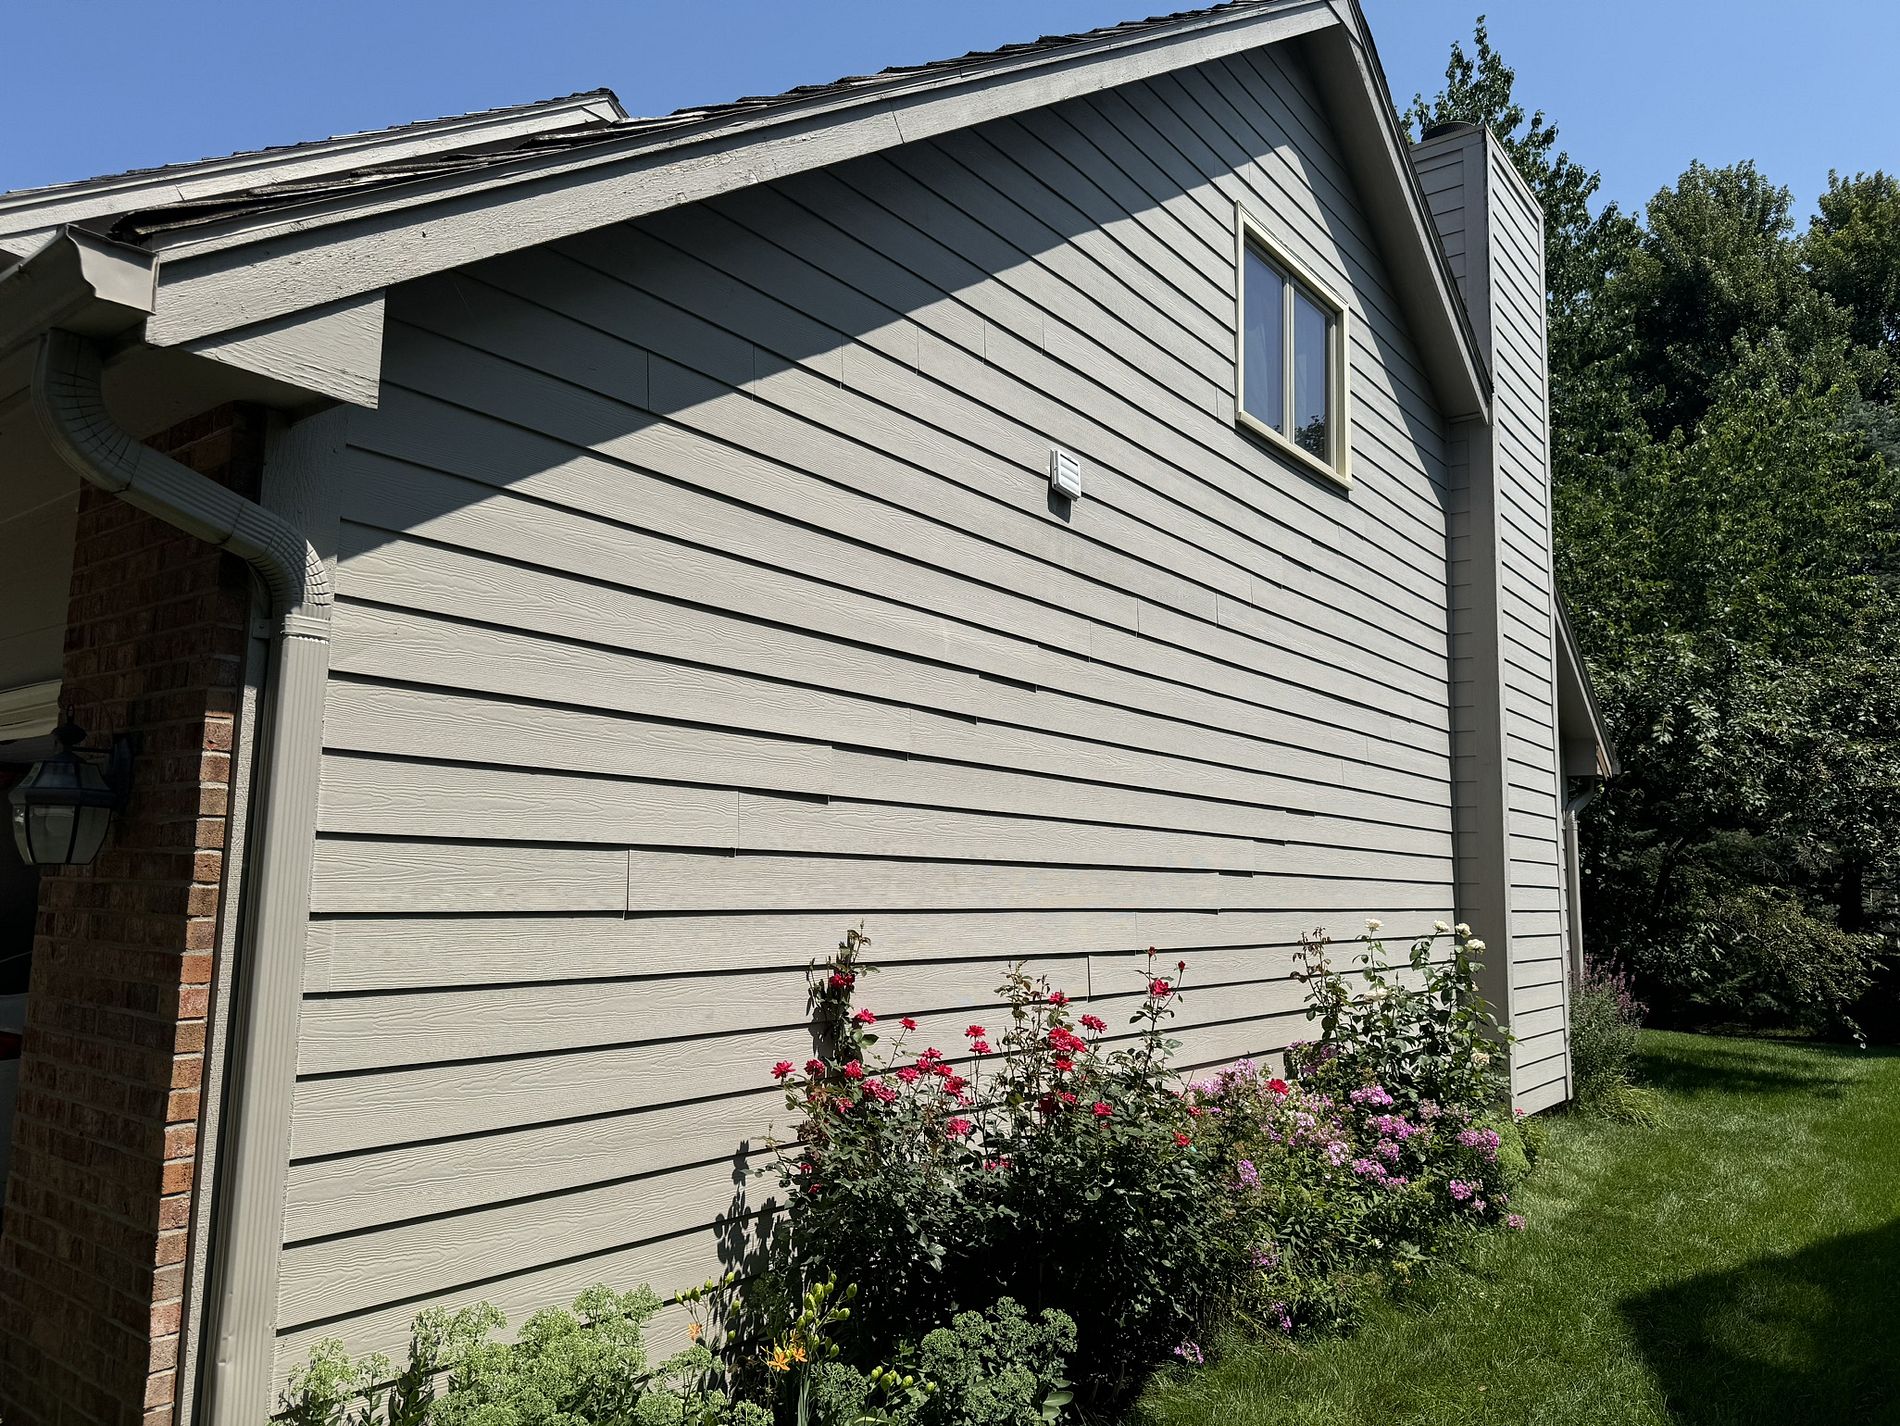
{"x":547,"y":573}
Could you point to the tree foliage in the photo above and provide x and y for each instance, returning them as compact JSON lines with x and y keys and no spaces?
{"x":1727,"y":504}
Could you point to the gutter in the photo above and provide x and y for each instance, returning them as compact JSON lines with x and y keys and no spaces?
{"x":274,"y":890}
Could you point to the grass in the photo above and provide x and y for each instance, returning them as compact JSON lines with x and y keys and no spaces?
{"x":1738,"y":1262}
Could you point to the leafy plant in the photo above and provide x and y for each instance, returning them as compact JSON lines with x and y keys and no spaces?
{"x":1605,"y":1018}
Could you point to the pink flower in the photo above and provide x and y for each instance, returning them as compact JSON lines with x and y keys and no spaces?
{"x":782,"y":1069}
{"x":865,"y":1017}
{"x":1063,"y":1064}
{"x":854,"y":1070}
{"x":1515,"y":1222}
{"x":1056,"y":997}
{"x":1095,"y":1023}
{"x":879,"y":1091}
{"x":1460,"y":1189}
{"x":1101,"y":1110}
{"x":1249,"y":1175}
{"x":976,"y":1032}
{"x":957,"y":1128}
{"x":979,"y":1047}
{"x":910,"y":1074}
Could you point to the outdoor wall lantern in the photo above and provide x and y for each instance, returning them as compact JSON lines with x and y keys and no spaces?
{"x":64,"y":805}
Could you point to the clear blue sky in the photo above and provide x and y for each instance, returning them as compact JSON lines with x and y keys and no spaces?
{"x":1638,"y":87}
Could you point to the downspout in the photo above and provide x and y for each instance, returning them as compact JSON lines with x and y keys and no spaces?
{"x":253,"y":1153}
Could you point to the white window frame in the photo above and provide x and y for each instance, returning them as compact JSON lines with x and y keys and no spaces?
{"x":1337,"y":467}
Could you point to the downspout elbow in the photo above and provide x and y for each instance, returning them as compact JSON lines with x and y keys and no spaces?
{"x":69,"y":398}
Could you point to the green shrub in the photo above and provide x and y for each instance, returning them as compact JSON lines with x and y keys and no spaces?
{"x":1605,"y":1020}
{"x":994,"y":1368}
{"x":584,"y":1367}
{"x":1389,"y":1140}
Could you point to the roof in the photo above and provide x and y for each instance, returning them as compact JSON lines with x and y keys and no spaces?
{"x":334,"y":224}
{"x":28,"y":214}
{"x":1588,"y":750}
{"x":139,"y":224}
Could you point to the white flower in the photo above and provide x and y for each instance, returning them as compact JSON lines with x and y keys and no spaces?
{"x":1440,"y":927}
{"x":1462,"y":929}
{"x":1480,"y":1058}
{"x":1474,"y":944}
{"x":1373,"y":923}
{"x":1378,"y":992}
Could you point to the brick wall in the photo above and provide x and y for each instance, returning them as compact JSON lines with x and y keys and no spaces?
{"x":93,"y":1240}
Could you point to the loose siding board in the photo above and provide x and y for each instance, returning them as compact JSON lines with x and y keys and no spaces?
{"x":700,"y":595}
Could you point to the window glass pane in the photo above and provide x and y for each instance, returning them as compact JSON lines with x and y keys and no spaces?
{"x":1312,"y":422}
{"x":1263,"y":359}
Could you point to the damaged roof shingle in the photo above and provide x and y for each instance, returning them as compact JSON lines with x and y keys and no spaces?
{"x":144,"y":223}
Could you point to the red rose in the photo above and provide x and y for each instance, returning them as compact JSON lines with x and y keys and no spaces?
{"x":865,"y":1017}
{"x":1278,"y":1086}
{"x":1056,"y":997}
{"x":1101,"y":1110}
{"x":908,"y":1023}
{"x":1064,"y":1064}
{"x":979,"y":1047}
{"x":1095,"y":1023}
{"x":854,"y":1070}
{"x":782,"y":1069}
{"x":840,"y":981}
{"x":1159,"y":989}
{"x":957,"y":1128}
{"x":1180,"y":965}
{"x":1181,"y":1141}
{"x":976,"y":1032}
{"x":814,"y":1066}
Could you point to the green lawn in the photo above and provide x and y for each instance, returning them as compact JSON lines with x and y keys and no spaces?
{"x":1739,"y":1262}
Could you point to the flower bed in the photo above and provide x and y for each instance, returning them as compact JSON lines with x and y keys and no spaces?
{"x":965,"y":1233}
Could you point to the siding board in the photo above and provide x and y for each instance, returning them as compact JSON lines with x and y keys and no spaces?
{"x":700,"y":594}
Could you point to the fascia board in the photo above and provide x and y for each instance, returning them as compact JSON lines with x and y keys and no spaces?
{"x":1369,"y":123}
{"x":266,"y":265}
{"x":29,"y":217}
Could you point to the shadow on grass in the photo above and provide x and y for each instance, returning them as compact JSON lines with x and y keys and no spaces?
{"x":1806,"y":1337}
{"x":1759,"y":1067}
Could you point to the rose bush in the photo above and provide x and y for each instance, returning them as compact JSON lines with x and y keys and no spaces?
{"x":1045,"y":1162}
{"x":967,"y":1228}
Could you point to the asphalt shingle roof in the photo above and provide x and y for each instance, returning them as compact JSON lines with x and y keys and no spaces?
{"x":143,"y":223}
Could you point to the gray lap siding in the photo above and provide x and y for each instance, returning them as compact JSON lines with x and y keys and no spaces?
{"x":701,"y":594}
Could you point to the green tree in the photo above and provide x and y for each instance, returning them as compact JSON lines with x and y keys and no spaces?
{"x":1726,"y":504}
{"x":1852,"y":248}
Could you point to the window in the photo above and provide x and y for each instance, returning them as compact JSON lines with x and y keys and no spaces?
{"x":1292,"y":357}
